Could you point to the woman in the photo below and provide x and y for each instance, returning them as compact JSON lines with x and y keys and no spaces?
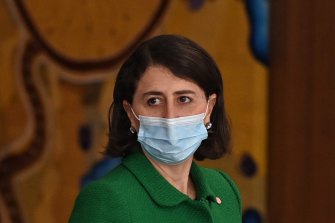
{"x":168,"y":109}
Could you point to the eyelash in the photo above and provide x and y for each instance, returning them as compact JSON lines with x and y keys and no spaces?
{"x":151,"y":102}
{"x":185,"y":97}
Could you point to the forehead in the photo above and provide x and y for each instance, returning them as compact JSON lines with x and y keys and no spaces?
{"x":160,"y":78}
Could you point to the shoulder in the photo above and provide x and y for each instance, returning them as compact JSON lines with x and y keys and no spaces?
{"x":96,"y":200}
{"x":221,"y":182}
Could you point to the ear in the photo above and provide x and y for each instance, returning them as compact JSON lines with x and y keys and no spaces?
{"x":133,"y":120}
{"x":211,"y":103}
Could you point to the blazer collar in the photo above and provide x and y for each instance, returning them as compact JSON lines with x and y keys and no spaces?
{"x":159,"y":189}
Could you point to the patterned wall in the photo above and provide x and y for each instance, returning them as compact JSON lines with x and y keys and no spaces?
{"x":58,"y":61}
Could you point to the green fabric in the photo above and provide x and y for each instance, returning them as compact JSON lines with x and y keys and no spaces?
{"x":136,"y":192}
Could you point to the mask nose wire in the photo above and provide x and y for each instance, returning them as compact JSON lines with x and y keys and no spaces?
{"x":131,"y":108}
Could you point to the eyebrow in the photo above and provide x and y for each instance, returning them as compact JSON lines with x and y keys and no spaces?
{"x":184,"y":92}
{"x":160,"y":93}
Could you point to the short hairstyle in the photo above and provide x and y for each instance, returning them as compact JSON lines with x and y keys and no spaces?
{"x":186,"y":60}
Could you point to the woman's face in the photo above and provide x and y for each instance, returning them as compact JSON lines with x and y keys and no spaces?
{"x":159,"y":93}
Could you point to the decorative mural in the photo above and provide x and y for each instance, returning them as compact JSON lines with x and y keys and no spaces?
{"x":58,"y":62}
{"x":14,"y":164}
{"x":258,"y":13}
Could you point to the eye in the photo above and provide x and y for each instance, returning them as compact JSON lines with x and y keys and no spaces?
{"x":184,"y":99}
{"x":153,"y":101}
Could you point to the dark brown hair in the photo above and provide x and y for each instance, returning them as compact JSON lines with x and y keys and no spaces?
{"x":186,"y":60}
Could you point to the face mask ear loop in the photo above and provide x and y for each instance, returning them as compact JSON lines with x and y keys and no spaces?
{"x":206,"y":110}
{"x":131,"y":108}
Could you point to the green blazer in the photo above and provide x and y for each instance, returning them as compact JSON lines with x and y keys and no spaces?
{"x":136,"y":192}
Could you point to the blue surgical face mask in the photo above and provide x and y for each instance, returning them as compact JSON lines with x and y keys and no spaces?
{"x":171,"y":140}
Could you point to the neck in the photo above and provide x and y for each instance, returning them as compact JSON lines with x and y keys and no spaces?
{"x":177,"y":175}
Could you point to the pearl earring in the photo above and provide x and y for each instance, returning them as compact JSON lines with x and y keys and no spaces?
{"x":132,"y":129}
{"x":208,"y":125}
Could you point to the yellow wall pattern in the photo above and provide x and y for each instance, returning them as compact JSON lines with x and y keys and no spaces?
{"x":93,"y":30}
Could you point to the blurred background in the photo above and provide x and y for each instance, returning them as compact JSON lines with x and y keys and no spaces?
{"x":58,"y":62}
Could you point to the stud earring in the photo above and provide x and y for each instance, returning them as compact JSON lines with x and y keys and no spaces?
{"x":208,"y":125}
{"x":132,"y":129}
